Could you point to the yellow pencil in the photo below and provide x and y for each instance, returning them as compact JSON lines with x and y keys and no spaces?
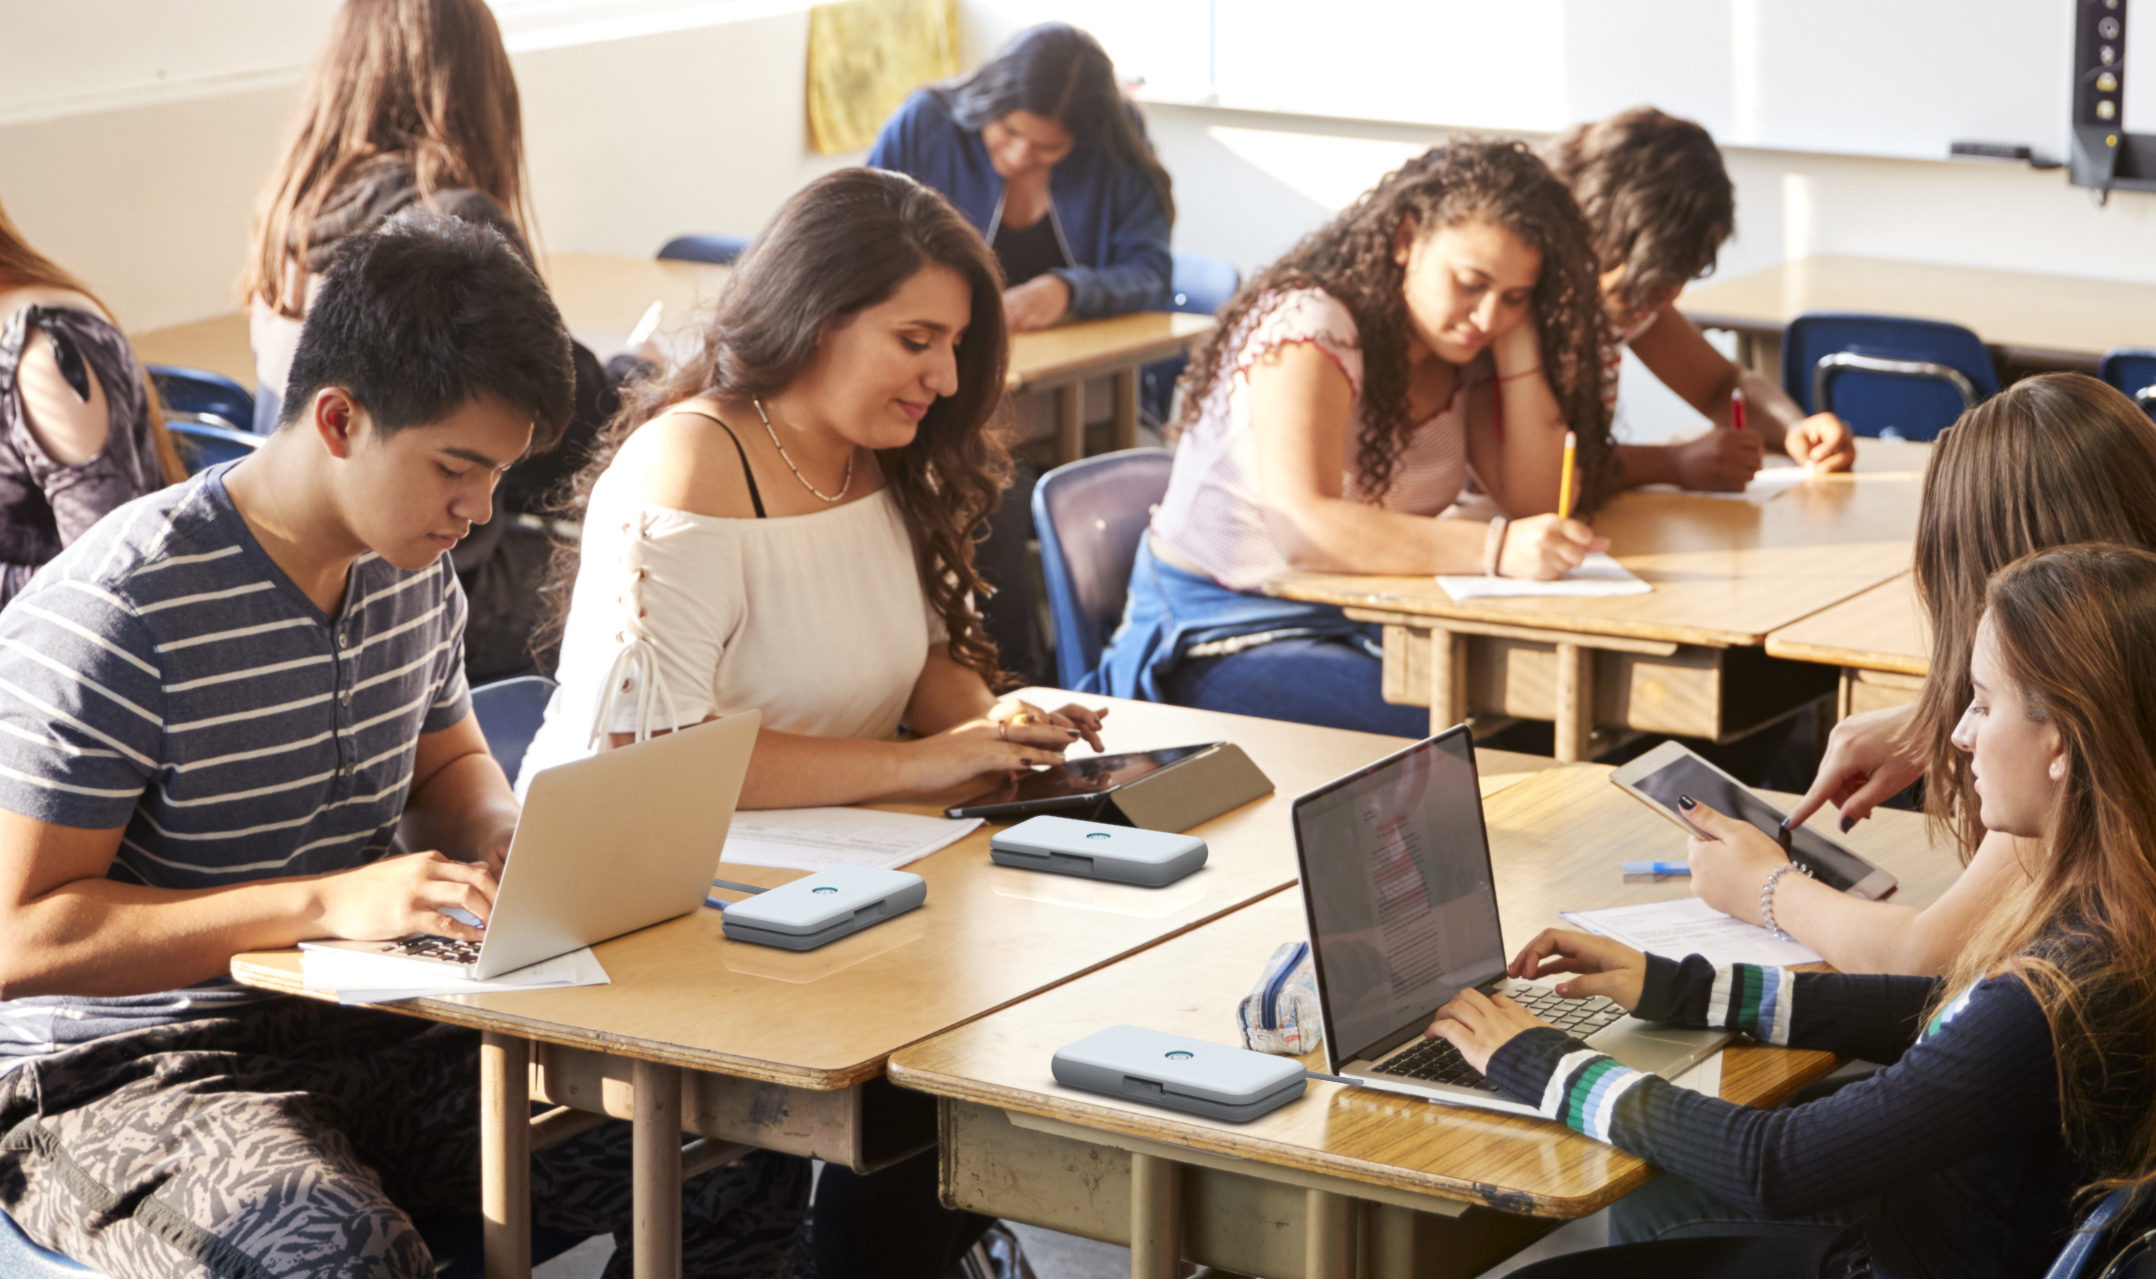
{"x":1564,"y":484}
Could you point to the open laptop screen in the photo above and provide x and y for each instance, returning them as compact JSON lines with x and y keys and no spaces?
{"x":1396,"y":875}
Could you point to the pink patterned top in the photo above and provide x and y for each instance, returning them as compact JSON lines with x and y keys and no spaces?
{"x":1213,"y":515}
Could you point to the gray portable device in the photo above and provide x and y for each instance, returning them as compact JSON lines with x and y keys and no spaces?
{"x":1180,"y":1073}
{"x":823,"y":907}
{"x":1125,"y":854}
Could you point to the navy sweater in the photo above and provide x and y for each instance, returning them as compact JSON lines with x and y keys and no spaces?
{"x":1954,"y":1150}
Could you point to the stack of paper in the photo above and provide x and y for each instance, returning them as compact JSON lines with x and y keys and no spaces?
{"x":819,"y":838}
{"x":1689,"y":926}
{"x":375,"y":979}
{"x":1598,"y":575}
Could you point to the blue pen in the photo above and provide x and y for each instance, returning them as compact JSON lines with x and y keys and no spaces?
{"x":1658,"y":868}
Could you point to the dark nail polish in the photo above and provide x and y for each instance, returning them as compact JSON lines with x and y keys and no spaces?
{"x":1848,"y":824}
{"x":1687,"y":803}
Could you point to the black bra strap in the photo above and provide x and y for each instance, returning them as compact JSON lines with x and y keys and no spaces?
{"x":755,"y":495}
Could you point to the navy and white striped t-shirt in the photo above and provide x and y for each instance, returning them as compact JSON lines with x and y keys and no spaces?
{"x":163,"y":674}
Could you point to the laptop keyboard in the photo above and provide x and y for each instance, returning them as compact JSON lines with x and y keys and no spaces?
{"x":1435,"y":1061}
{"x":446,"y":949}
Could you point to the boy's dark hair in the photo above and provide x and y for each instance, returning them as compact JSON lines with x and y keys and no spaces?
{"x":426,"y":315}
{"x":1654,"y":191}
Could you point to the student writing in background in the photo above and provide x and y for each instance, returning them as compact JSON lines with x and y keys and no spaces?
{"x":1044,"y":156}
{"x":414,"y":102}
{"x":80,"y":432}
{"x":2013,"y":1082}
{"x":2050,"y":461}
{"x":1660,"y":202}
{"x":1444,"y":327}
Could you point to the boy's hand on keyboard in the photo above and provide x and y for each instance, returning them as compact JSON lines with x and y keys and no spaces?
{"x":399,"y":896}
{"x":1478,"y":1025}
{"x":1607,"y":968}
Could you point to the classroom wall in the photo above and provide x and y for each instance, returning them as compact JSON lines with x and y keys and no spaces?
{"x":140,"y":172}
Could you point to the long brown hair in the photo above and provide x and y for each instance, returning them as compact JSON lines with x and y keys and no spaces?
{"x":2076,"y":631}
{"x":425,"y":80}
{"x":1466,"y":180}
{"x":2050,"y":461}
{"x":22,"y":267}
{"x":843,"y":243}
{"x":1654,"y":189}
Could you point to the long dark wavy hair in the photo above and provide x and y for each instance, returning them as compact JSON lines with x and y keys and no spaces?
{"x":1060,"y":73}
{"x":1655,"y":191}
{"x":2050,"y":461}
{"x":843,"y":243}
{"x":1466,"y":180}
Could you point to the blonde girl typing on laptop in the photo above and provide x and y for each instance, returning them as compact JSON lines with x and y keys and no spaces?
{"x":2015,"y":1081}
{"x":787,"y":520}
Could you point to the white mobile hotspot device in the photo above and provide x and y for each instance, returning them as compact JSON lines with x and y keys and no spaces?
{"x":1124,"y":854}
{"x":823,"y":907}
{"x":1180,"y":1073}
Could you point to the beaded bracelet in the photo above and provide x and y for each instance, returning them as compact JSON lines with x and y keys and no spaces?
{"x":1510,"y":377}
{"x":1493,"y":546}
{"x":1766,"y":896}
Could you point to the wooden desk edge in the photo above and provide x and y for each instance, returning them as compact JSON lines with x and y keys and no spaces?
{"x":1797,"y":651}
{"x":1435,"y":612}
{"x":1073,"y":1108}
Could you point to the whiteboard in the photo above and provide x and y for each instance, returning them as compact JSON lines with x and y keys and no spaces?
{"x":1898,"y":78}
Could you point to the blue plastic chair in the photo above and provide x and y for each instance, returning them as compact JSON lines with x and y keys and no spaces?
{"x":2090,"y":1238}
{"x":1089,"y":515}
{"x":205,"y":395}
{"x":1886,"y":376}
{"x":204,"y":440}
{"x":720,"y":250}
{"x":2132,"y":370}
{"x":1201,"y":285}
{"x":509,"y":714}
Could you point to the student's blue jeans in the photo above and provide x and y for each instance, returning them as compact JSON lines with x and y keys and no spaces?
{"x":1333,"y":682}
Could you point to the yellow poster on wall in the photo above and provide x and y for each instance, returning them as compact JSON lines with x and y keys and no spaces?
{"x":865,"y":56}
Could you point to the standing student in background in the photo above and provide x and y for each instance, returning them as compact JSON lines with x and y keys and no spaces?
{"x":414,"y":102}
{"x":79,"y":428}
{"x":1661,"y":204}
{"x":1444,"y":327}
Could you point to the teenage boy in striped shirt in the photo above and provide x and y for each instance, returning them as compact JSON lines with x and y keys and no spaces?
{"x":218,"y":709}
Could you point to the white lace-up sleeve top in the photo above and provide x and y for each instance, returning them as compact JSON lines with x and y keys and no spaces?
{"x":819,"y":621}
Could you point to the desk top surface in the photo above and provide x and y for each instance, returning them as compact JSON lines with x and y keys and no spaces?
{"x":1557,"y":839}
{"x":602,"y":297}
{"x":989,"y":935}
{"x":1726,"y":571}
{"x":1881,"y":630}
{"x":2063,"y":315}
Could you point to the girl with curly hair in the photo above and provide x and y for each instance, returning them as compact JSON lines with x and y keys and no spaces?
{"x":1444,"y":328}
{"x":787,"y":521}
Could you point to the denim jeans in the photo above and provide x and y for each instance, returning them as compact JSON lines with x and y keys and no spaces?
{"x":1331,"y":682}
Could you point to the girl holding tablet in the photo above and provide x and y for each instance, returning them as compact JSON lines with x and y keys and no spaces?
{"x":1444,"y":328}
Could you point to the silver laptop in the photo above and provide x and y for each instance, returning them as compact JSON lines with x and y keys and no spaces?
{"x":605,"y":846}
{"x":1402,"y":910}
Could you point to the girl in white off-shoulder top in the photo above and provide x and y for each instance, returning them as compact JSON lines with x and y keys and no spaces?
{"x":786,"y":522}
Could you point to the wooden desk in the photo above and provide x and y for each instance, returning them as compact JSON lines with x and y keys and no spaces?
{"x":1683,"y":659}
{"x":602,"y":297}
{"x":1879,"y":639}
{"x":1439,"y":1191}
{"x":2068,"y":321}
{"x":748,"y":1046}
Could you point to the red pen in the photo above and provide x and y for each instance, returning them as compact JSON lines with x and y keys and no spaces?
{"x":1736,"y":410}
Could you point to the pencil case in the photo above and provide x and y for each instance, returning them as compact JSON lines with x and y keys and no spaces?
{"x":1280,"y":1014}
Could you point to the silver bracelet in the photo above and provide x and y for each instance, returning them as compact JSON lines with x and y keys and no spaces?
{"x":1493,"y":546}
{"x":1766,"y":896}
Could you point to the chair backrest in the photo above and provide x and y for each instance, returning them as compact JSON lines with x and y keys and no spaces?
{"x":1203,"y":283}
{"x":1089,"y":516}
{"x":1886,"y":376}
{"x":721,"y":250}
{"x":2089,"y":1238}
{"x":21,"y":1259}
{"x":186,"y":390}
{"x":204,"y":439}
{"x":2132,"y":370}
{"x":509,"y":714}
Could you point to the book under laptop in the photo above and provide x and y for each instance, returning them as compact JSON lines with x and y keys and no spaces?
{"x":1402,"y":910}
{"x":605,"y":846}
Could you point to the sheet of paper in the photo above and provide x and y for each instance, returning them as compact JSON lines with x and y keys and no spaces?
{"x":1598,"y":575}
{"x":1689,"y":926}
{"x":819,"y":838}
{"x":1776,"y":477}
{"x":377,"y":979}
